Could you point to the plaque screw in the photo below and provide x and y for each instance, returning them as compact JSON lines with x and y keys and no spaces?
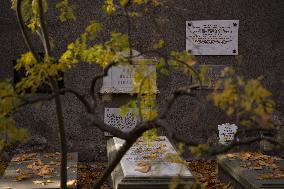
{"x":189,"y":24}
{"x":235,"y":24}
{"x":234,"y":51}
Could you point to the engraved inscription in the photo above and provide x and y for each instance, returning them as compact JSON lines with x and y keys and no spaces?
{"x":113,"y":118}
{"x":212,"y":37}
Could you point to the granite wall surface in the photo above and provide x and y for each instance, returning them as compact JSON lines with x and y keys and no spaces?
{"x":261,"y":45}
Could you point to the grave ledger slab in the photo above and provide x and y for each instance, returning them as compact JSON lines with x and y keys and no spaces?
{"x":23,"y":172}
{"x":160,"y":171}
{"x":244,"y":175}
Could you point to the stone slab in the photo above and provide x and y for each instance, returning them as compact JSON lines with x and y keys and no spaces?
{"x":161,"y":172}
{"x":246,"y":178}
{"x":52,"y":159}
{"x":212,"y":37}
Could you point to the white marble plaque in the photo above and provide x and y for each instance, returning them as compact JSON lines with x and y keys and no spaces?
{"x":226,"y":133}
{"x":113,"y":118}
{"x":119,"y":79}
{"x":154,"y":153}
{"x":212,"y":37}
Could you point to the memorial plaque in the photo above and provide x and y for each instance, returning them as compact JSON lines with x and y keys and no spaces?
{"x":226,"y":133}
{"x":212,"y":37}
{"x":214,"y":74}
{"x":113,"y":118}
{"x":119,"y":79}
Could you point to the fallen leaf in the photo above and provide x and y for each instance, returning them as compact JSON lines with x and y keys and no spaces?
{"x":45,"y":170}
{"x":143,"y":167}
{"x":72,"y":183}
{"x":23,"y":176}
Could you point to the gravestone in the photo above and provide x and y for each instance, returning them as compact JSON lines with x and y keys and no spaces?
{"x":38,"y":170}
{"x":226,"y":133}
{"x":153,"y":153}
{"x":251,"y":171}
{"x":160,"y":172}
{"x":212,"y":37}
{"x":214,"y":75}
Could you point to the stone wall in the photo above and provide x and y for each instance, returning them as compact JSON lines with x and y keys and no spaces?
{"x":261,"y":48}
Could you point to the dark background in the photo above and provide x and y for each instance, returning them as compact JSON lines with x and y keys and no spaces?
{"x":261,"y":48}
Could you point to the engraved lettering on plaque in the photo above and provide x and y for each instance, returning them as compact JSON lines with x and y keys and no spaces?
{"x":113,"y":118}
{"x":212,"y":37}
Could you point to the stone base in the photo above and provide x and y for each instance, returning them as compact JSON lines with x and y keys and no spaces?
{"x":124,"y":178}
{"x":34,"y":181}
{"x":244,"y":178}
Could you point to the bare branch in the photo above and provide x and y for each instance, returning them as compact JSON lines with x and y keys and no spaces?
{"x":222,"y":149}
{"x":107,"y":128}
{"x":43,"y":28}
{"x":23,"y":31}
{"x":173,"y":135}
{"x":113,"y":164}
{"x":79,"y":96}
{"x":96,"y":78}
{"x":32,"y":101}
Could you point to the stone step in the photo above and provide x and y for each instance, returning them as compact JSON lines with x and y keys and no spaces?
{"x":18,"y":167}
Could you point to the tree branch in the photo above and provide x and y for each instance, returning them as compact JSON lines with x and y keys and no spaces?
{"x":125,"y":147}
{"x":43,"y":28}
{"x":23,"y":31}
{"x":173,"y":135}
{"x":107,"y":128}
{"x":222,"y":149}
{"x":95,"y":79}
{"x":79,"y":97}
{"x":32,"y":101}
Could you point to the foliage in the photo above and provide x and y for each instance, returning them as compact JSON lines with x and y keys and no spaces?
{"x":66,"y":11}
{"x":8,"y":102}
{"x":247,"y":99}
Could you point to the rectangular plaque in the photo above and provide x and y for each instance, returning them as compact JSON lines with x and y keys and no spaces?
{"x":214,"y":74}
{"x":119,"y":79}
{"x":113,"y":118}
{"x":212,"y":37}
{"x":154,"y":153}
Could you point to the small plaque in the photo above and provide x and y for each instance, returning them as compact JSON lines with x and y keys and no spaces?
{"x":214,"y":74}
{"x":226,"y":133}
{"x":212,"y":37}
{"x":113,"y":118}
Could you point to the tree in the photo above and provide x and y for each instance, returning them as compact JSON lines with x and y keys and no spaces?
{"x":248,"y":101}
